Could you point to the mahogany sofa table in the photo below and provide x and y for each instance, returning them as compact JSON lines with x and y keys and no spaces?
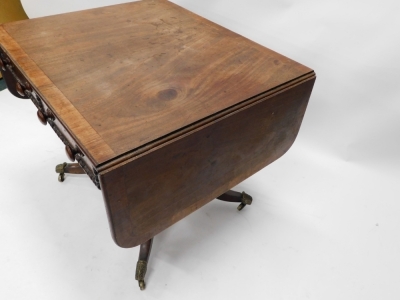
{"x":162,"y":109}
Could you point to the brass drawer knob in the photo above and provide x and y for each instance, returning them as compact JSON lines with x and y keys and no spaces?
{"x":42,"y":117}
{"x":70,"y":153}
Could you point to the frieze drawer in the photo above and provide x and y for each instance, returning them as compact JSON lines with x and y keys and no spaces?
{"x":21,"y":88}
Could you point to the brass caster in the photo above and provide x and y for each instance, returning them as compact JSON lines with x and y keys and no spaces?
{"x":61,"y":177}
{"x":141,"y":268}
{"x":61,"y":170}
{"x":142,"y":285}
{"x":246,"y":200}
{"x":241,"y":206}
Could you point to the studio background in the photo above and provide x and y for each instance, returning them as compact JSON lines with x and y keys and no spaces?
{"x":324,"y":223}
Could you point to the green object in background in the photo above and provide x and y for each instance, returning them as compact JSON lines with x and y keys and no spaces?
{"x":3,"y":85}
{"x":10,"y":10}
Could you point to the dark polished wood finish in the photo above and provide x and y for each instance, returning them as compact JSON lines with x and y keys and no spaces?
{"x":145,"y":250}
{"x":161,"y":66}
{"x":73,"y":168}
{"x":64,"y":168}
{"x":203,"y":164}
{"x":163,"y":109}
{"x":230,"y":196}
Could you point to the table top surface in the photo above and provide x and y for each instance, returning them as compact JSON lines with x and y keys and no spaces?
{"x":124,"y":76}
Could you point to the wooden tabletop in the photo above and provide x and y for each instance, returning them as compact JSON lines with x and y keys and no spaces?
{"x":124,"y":76}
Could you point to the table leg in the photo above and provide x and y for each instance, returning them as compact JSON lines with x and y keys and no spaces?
{"x":232,"y":196}
{"x":68,"y":168}
{"x":141,"y":266}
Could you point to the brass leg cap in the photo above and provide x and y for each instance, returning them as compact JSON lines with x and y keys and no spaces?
{"x":142,"y":285}
{"x":241,"y":206}
{"x":61,"y":169}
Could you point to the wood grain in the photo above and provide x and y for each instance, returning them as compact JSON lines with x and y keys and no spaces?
{"x":84,"y":135}
{"x":168,"y":110}
{"x":152,"y":70}
{"x":151,"y":192}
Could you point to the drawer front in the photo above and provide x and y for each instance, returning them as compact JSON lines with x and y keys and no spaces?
{"x":19,"y":86}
